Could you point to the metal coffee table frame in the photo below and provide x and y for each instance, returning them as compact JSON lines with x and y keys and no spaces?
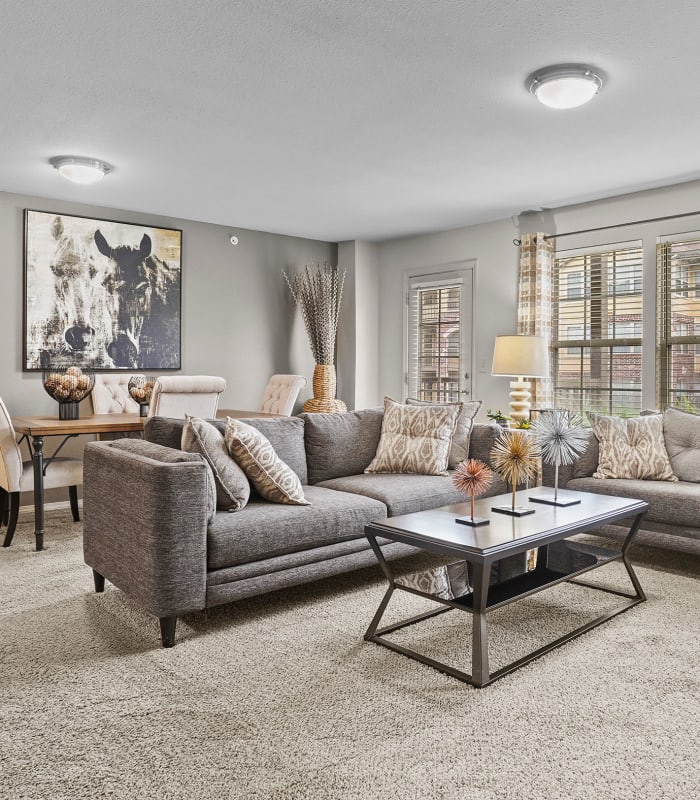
{"x":485,"y":598}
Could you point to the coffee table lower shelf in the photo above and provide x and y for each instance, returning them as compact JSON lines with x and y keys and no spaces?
{"x":557,"y":562}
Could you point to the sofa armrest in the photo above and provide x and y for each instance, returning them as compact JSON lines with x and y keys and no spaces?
{"x":145,"y":526}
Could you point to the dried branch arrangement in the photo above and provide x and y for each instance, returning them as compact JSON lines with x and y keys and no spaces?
{"x":318,"y":290}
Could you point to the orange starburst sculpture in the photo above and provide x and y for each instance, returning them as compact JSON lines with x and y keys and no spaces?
{"x":472,"y":477}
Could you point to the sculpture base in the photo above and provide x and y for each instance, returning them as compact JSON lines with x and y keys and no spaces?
{"x":513,"y":511}
{"x":474,"y":522}
{"x":549,"y":500}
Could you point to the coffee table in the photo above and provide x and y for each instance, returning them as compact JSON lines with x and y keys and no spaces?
{"x":498,"y":565}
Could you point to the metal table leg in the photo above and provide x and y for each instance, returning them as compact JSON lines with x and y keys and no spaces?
{"x":38,"y":461}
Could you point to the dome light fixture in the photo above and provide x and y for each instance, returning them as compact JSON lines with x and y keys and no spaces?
{"x":79,"y":169}
{"x":565,"y":85}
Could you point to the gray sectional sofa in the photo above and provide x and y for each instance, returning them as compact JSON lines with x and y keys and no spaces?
{"x":673,"y":519}
{"x":149,"y":528}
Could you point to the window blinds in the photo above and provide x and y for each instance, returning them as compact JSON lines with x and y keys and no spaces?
{"x":678,"y":324}
{"x":597,"y":342}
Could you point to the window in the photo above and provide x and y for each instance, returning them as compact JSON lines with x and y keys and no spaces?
{"x":678,"y":324}
{"x":439,"y":339}
{"x":597,"y":341}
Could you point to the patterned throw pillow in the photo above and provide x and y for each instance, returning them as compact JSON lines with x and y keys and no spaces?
{"x":232,"y":487}
{"x":415,"y":439}
{"x":272,"y":478}
{"x":631,"y":448}
{"x":459,"y":449}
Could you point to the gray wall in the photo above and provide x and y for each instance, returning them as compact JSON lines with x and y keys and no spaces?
{"x":238,"y":319}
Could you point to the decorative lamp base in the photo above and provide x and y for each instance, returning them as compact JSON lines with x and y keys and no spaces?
{"x":520,"y":399}
{"x":513,"y":511}
{"x":69,"y":410}
{"x":474,"y":522}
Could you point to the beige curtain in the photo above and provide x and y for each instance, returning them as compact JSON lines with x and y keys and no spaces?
{"x":535,"y":301}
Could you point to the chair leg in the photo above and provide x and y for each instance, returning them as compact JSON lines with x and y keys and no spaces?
{"x":12,"y":521}
{"x":167,"y":631}
{"x":99,"y":581}
{"x":73,"y":495}
{"x":4,"y":507}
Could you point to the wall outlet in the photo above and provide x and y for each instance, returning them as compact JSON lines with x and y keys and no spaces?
{"x":483,"y":365}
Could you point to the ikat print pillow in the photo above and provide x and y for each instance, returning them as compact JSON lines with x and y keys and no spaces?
{"x":459,"y":449}
{"x":415,"y":439}
{"x":272,"y":478}
{"x":631,"y":448}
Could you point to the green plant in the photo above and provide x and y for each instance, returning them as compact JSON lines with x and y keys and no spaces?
{"x":523,"y":424}
{"x":496,"y":416}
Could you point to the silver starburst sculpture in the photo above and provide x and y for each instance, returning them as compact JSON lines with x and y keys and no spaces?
{"x":561,"y":438}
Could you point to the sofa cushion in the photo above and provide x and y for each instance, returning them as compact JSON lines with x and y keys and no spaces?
{"x":682,"y":438}
{"x":341,"y":443}
{"x":401,"y":494}
{"x":167,"y":455}
{"x":264,"y":530}
{"x":272,"y":478}
{"x":459,"y":449}
{"x":285,"y":434}
{"x":631,"y":448}
{"x":414,"y":439}
{"x":676,"y":503}
{"x":232,"y":487}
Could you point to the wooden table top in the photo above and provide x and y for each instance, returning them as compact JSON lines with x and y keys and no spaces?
{"x":91,"y":423}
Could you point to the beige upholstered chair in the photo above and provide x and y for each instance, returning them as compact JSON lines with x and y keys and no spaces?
{"x":178,"y":395}
{"x":110,"y":395}
{"x":281,"y":393}
{"x":18,"y":476}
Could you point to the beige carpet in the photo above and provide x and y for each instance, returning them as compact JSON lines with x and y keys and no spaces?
{"x":279,"y":698}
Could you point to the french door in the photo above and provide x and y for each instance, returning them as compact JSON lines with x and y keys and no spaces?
{"x":439,"y":334}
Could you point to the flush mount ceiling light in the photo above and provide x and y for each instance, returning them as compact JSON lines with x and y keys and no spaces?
{"x":565,"y":85}
{"x":79,"y":169}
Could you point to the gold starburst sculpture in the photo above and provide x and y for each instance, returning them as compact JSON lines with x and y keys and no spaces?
{"x":472,"y":477}
{"x":514,"y":457}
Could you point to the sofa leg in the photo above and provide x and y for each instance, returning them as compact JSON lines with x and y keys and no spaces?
{"x":99,"y":581}
{"x":167,"y":631}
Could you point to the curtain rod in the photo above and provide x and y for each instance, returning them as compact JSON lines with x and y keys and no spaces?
{"x":518,"y":242}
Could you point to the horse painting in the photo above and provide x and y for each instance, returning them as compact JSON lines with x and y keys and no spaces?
{"x":143,"y":301}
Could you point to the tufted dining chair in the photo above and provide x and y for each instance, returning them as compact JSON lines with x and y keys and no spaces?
{"x":180,"y":395}
{"x":110,"y":395}
{"x":18,"y":476}
{"x":281,"y":393}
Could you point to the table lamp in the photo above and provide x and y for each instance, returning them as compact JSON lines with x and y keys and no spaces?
{"x":520,"y":356}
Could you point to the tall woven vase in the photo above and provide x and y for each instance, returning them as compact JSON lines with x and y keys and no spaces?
{"x":324,"y":398}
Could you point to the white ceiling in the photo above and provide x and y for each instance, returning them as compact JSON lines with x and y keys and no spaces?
{"x":345,"y":119}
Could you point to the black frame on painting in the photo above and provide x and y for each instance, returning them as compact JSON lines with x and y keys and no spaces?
{"x":100,"y":293}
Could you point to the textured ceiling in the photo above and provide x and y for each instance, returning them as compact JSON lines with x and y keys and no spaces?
{"x":345,"y":119}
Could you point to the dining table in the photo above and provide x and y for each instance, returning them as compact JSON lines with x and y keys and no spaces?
{"x":36,"y":428}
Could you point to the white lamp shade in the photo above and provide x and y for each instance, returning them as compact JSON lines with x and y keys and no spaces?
{"x":521,"y":355}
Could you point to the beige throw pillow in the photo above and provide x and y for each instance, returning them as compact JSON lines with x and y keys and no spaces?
{"x":631,"y":448}
{"x":272,"y":478}
{"x":459,"y":449}
{"x":415,"y":439}
{"x":232,"y":487}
